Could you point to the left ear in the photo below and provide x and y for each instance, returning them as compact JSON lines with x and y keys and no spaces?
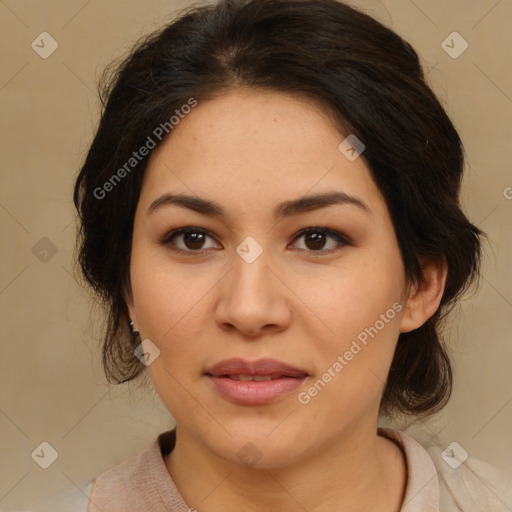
{"x":424,"y":298}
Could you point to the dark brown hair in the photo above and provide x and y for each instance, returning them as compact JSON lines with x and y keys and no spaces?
{"x":372,"y":82}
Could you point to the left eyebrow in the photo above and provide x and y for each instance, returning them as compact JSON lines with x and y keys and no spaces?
{"x":282,"y":210}
{"x":315,"y":202}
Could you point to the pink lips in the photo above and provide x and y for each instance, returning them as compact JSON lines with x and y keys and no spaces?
{"x":284,"y":380}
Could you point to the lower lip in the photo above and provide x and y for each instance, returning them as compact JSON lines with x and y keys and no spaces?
{"x":253,"y":392}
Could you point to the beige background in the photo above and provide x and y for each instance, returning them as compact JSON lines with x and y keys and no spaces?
{"x":52,"y":386}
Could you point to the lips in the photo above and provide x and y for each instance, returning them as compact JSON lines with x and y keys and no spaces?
{"x":261,"y":367}
{"x":254,"y":383}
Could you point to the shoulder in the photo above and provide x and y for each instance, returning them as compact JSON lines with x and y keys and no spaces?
{"x":141,"y":482}
{"x":465,"y":483}
{"x":116,"y":489}
{"x":468,"y":483}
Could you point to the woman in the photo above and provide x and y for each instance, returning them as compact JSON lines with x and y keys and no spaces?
{"x":270,"y":203}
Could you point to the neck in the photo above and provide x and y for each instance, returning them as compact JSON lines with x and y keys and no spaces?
{"x":360,"y":471}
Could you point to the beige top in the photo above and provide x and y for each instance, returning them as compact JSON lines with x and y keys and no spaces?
{"x":142,"y":482}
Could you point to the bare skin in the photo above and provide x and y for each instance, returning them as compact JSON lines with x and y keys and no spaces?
{"x":299,"y":302}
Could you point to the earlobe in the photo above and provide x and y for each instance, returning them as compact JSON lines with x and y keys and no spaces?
{"x":424,"y":297}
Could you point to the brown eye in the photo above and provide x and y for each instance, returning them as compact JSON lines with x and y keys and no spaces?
{"x":192,"y":239}
{"x":315,"y":239}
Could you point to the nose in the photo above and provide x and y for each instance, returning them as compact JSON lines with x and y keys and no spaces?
{"x":253,"y":298}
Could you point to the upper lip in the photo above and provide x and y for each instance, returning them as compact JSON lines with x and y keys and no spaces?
{"x":238,"y":366}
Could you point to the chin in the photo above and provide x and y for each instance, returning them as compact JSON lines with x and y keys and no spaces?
{"x":255,"y":444}
{"x":258,"y":454}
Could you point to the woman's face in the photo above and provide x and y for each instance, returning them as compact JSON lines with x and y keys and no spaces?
{"x":248,"y":285}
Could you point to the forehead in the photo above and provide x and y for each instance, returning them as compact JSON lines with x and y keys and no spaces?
{"x":249,"y":146}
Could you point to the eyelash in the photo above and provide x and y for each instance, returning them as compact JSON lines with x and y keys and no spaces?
{"x":340,"y":238}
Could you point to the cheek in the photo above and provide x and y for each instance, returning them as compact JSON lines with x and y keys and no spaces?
{"x":169,"y":306}
{"x":170,"y":301}
{"x":360,"y":305}
{"x":350,"y":297}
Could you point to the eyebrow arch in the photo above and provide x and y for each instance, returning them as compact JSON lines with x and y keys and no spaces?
{"x":282,"y":210}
